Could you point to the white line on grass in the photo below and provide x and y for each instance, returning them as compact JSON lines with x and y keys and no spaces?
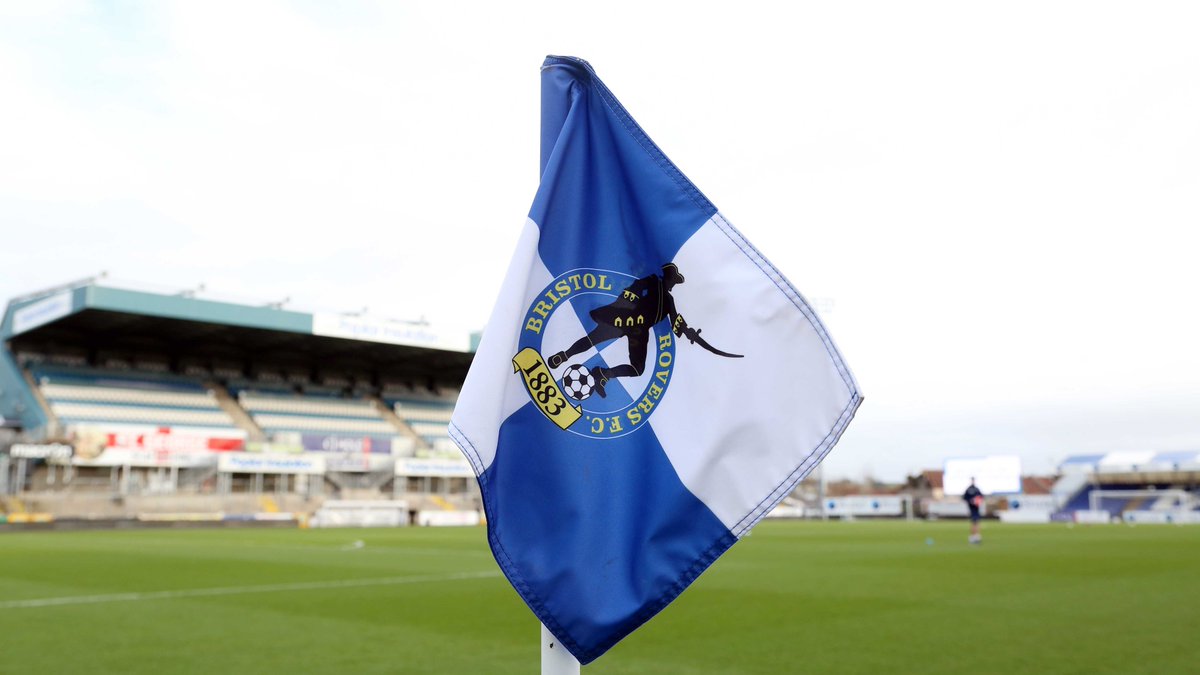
{"x":238,"y":590}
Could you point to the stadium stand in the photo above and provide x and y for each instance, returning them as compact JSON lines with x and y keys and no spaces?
{"x":427,"y":412}
{"x":120,"y":402}
{"x":1129,"y":486}
{"x":275,"y":412}
{"x":80,"y":395}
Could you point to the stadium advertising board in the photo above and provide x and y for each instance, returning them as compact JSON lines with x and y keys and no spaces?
{"x":433,"y":466}
{"x":346,"y":444}
{"x":147,"y":458}
{"x":994,"y":474}
{"x":390,"y":332}
{"x":865,"y":505}
{"x":361,"y":513}
{"x":42,"y":312}
{"x":1090,"y":517}
{"x":58,"y":452}
{"x":164,"y":440}
{"x":1025,"y":516}
{"x":951,"y":507}
{"x":1035,"y":502}
{"x":440,"y":518}
{"x":274,"y":447}
{"x":242,"y":462}
{"x":90,"y":440}
{"x":119,"y":446}
{"x":1161,"y":517}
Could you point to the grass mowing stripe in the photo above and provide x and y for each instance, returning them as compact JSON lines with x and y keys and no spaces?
{"x":238,"y":590}
{"x":827,"y":597}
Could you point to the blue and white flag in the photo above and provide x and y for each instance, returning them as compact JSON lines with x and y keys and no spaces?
{"x":648,"y":387}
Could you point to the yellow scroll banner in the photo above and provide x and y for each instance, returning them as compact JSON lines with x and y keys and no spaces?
{"x":542,"y":390}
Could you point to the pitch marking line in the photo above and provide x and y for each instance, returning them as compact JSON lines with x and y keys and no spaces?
{"x":238,"y":590}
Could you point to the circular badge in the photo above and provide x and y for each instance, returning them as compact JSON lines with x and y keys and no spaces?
{"x":597,"y":351}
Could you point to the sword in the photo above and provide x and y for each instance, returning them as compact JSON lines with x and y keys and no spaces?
{"x":693,"y":336}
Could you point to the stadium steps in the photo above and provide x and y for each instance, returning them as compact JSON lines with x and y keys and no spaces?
{"x":236,"y":412}
{"x":268,"y":504}
{"x":405,"y":429}
{"x":52,"y":423}
{"x":369,"y":482}
{"x":442,"y":503}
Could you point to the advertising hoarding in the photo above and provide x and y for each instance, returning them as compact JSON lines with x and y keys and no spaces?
{"x":434,"y":466}
{"x":865,"y":505}
{"x":247,"y":462}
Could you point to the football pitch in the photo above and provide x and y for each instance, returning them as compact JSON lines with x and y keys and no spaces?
{"x":861,"y":597}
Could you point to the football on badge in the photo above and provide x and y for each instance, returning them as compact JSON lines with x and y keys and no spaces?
{"x":578,"y":383}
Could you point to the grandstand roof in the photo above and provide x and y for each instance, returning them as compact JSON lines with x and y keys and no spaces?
{"x":1138,"y":463}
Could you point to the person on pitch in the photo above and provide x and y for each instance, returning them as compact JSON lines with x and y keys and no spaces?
{"x":973,"y":496}
{"x":640,"y":306}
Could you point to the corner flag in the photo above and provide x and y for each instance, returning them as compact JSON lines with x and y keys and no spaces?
{"x":648,"y":387}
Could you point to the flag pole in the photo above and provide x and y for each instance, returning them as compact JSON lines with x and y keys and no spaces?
{"x":556,"y":660}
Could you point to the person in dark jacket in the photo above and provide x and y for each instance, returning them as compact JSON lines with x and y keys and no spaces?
{"x":974,"y":499}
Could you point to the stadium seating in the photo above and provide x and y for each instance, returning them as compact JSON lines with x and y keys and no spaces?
{"x":427,"y":412}
{"x":276,"y":411}
{"x":1116,"y":504}
{"x":85,"y":395}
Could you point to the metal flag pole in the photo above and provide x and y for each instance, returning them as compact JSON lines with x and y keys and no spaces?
{"x":556,"y":660}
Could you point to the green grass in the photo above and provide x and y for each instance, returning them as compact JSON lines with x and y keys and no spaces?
{"x":793,"y":598}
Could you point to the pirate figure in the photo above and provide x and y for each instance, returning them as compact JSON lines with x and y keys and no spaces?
{"x":640,"y":306}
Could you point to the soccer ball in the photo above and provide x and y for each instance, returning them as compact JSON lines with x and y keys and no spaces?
{"x":578,"y":383}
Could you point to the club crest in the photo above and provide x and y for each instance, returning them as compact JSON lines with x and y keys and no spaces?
{"x":597,"y":349}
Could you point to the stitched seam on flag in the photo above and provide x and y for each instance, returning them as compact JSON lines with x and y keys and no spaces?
{"x":801,"y":470}
{"x":526,"y":591}
{"x":702,"y":562}
{"x":535,"y":602}
{"x":805,"y":467}
{"x":652,"y":150}
{"x":635,"y":130}
{"x":523,"y":589}
{"x":466,"y":446}
{"x":468,"y":449}
{"x":781,"y":282}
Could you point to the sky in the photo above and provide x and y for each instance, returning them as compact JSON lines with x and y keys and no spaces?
{"x":994,"y":207}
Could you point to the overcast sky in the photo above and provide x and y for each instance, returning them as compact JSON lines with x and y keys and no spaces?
{"x":993,"y":206}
